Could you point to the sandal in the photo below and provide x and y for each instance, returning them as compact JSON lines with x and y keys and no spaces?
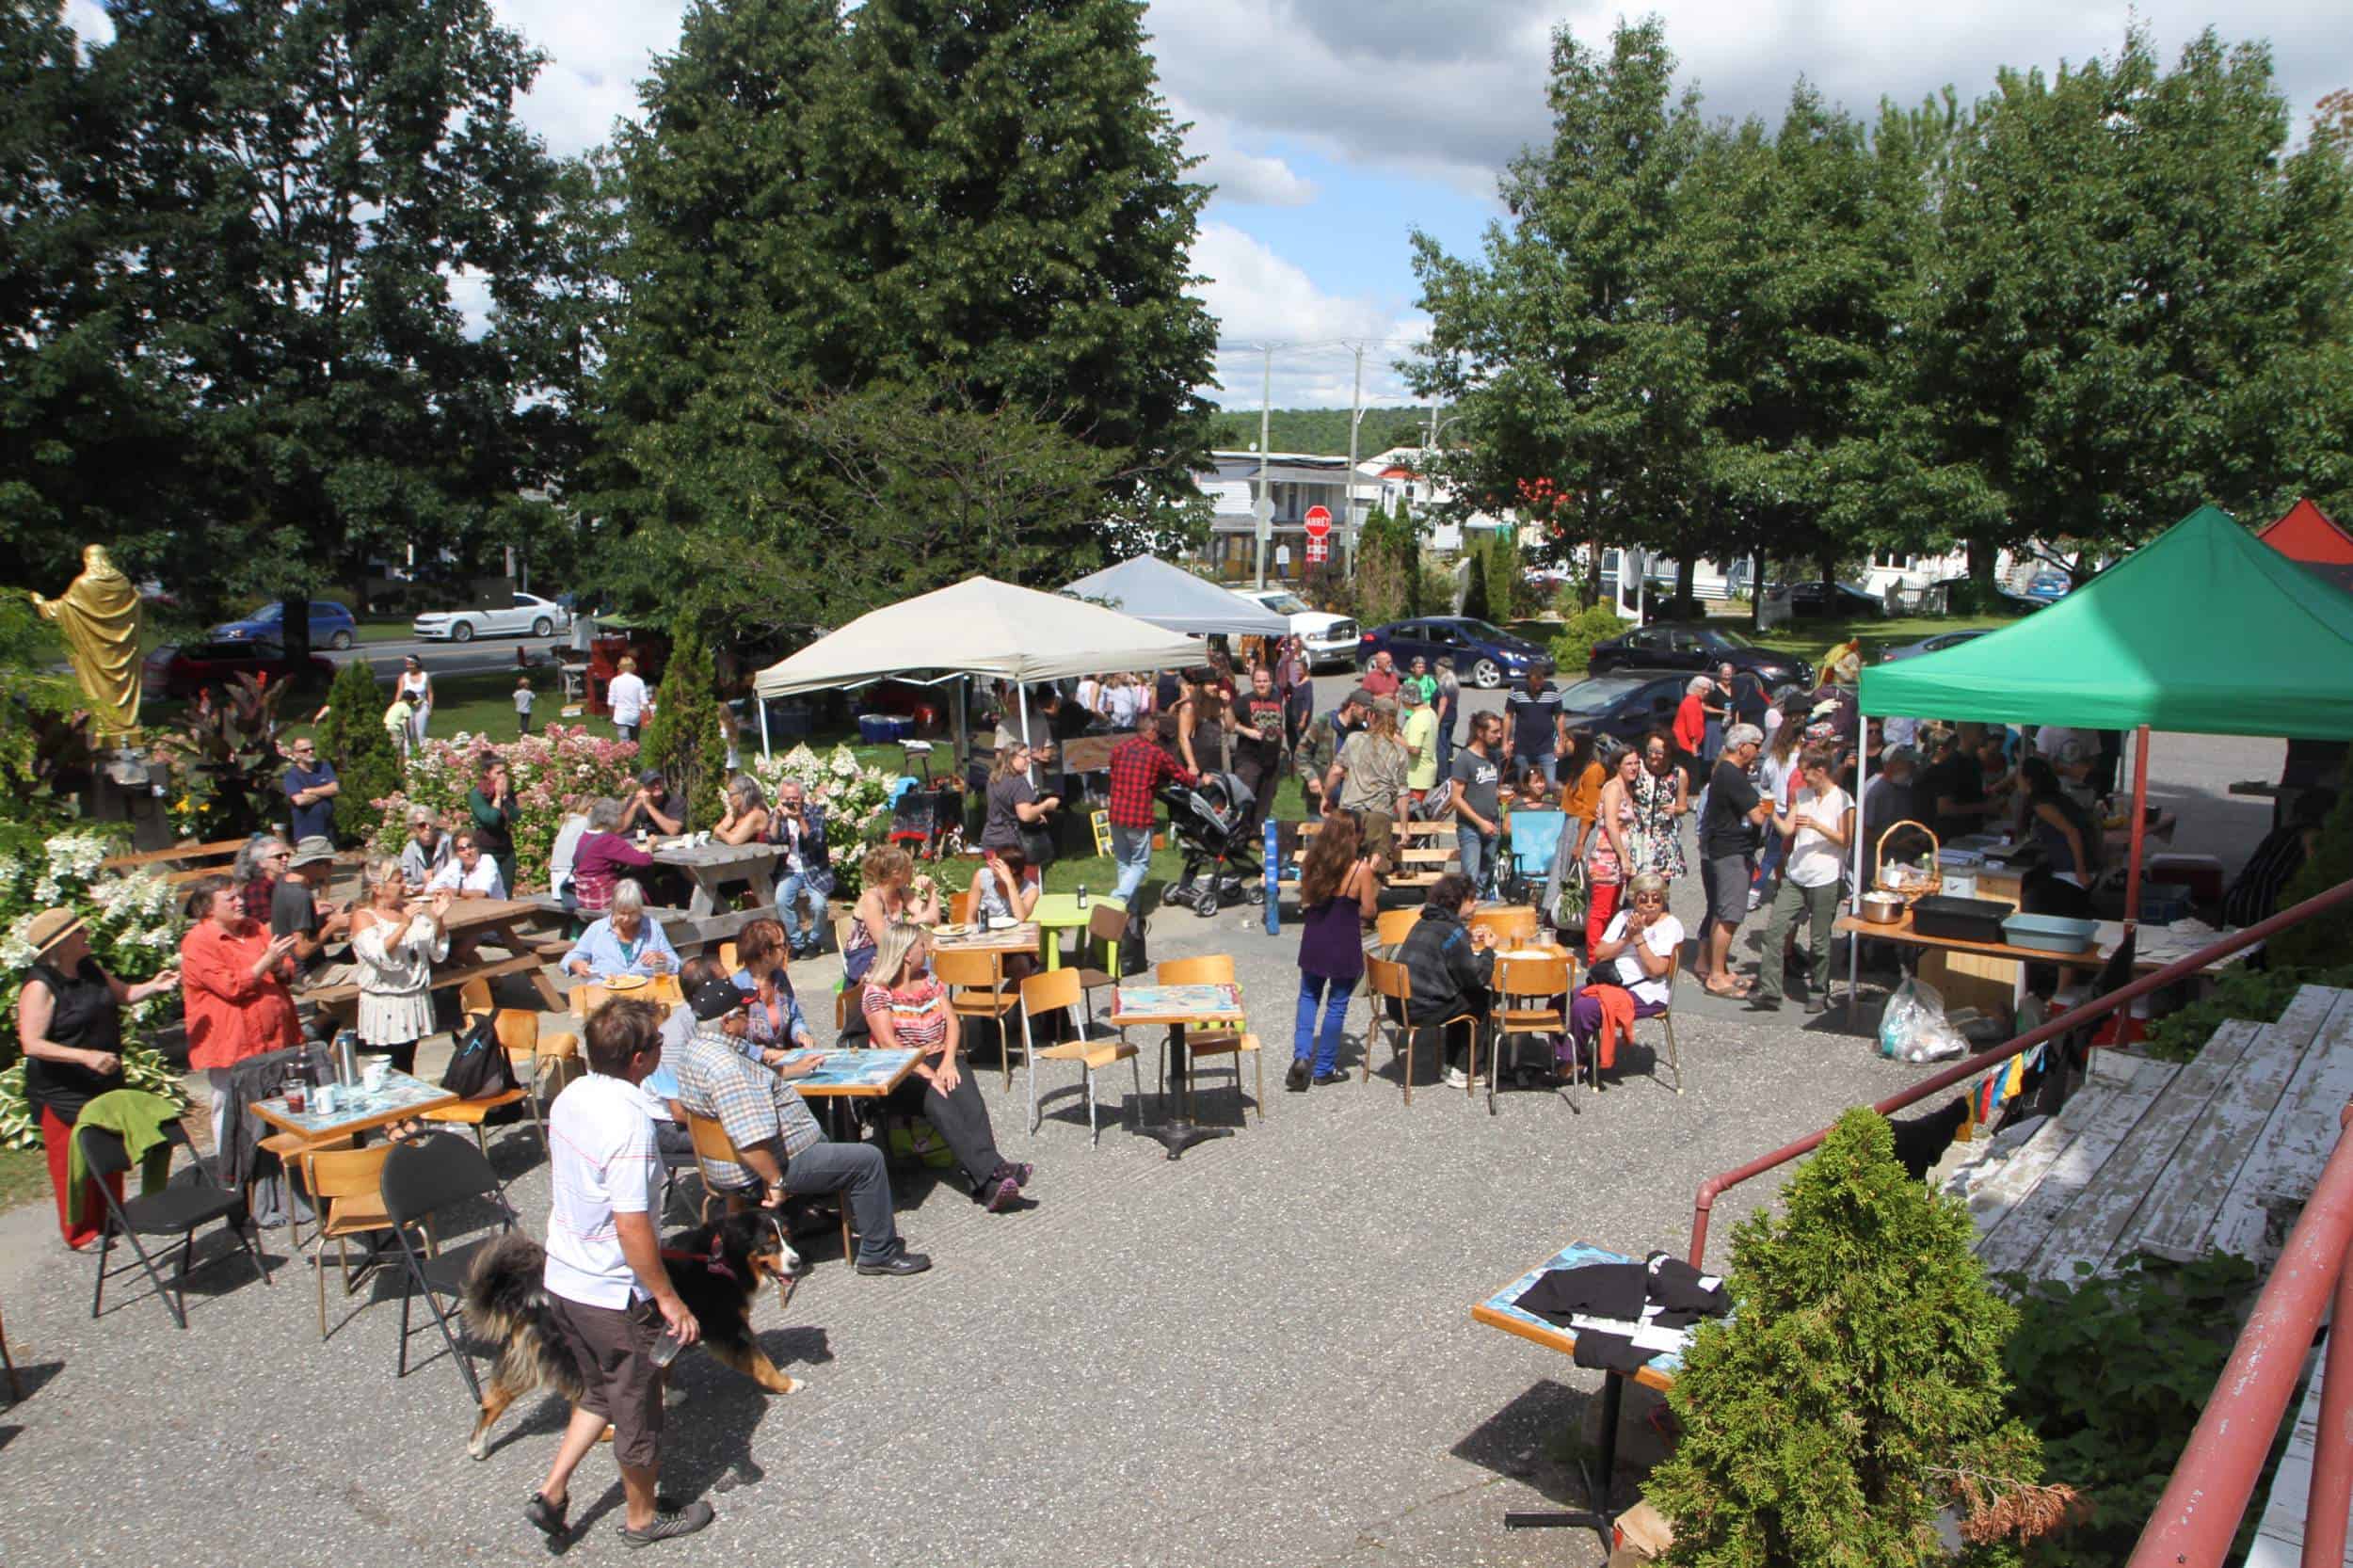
{"x":1736,"y":990}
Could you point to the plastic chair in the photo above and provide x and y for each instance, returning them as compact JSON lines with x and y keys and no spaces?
{"x":1393,"y":987}
{"x":1043,"y":993}
{"x":1531,"y":994}
{"x":1108,"y":926}
{"x":348,"y":1187}
{"x":422,"y":1176}
{"x":1535,"y":843}
{"x":976,"y":989}
{"x":1212,"y":969}
{"x":713,"y":1146}
{"x":180,"y":1210}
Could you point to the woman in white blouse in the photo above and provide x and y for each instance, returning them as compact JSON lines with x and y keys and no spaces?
{"x":395,"y":942}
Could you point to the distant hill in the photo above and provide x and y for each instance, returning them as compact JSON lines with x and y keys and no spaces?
{"x":1324,"y":431}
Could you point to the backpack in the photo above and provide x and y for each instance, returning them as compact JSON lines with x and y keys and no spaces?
{"x":478,"y":1068}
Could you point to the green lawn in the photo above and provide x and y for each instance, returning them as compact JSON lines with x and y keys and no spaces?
{"x":375,"y":629}
{"x":24,"y":1177}
{"x":1813,"y":639}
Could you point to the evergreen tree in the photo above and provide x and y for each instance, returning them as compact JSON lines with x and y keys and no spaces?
{"x":688,"y":736}
{"x":1858,"y":1388}
{"x":352,"y":736}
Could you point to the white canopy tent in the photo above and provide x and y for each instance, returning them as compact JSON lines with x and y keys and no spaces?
{"x":1150,"y":589}
{"x":978,"y":627}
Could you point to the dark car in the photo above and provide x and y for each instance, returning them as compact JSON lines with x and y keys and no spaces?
{"x":332,"y":625}
{"x":1625,"y":704}
{"x":1828,"y":598}
{"x":179,"y":672}
{"x":1484,"y":655}
{"x":1696,"y":648}
{"x":1937,"y":643}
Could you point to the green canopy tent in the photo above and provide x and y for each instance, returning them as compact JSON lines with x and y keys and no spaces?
{"x":2205,"y":630}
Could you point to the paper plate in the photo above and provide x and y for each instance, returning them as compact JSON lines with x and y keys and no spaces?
{"x":1522,"y":953}
{"x":625,"y":982}
{"x":952,"y":929}
{"x":1002,"y":923}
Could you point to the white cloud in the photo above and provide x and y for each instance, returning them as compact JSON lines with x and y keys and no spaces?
{"x":1246,"y":179}
{"x":598,"y":51}
{"x":1258,"y":297}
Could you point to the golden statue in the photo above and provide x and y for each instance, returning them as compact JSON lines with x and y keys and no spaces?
{"x":99,"y":617}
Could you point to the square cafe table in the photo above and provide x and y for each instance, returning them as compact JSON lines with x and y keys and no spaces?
{"x":1502,"y":1311}
{"x":1140,"y":1002}
{"x":852,"y":1074}
{"x":402,"y":1097}
{"x":1012,"y":939}
{"x":1058,"y":912}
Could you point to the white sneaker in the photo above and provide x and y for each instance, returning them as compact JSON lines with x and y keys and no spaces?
{"x":1454,"y":1079}
{"x":1756,"y":899}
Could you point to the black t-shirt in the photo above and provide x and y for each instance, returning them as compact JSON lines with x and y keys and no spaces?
{"x":293,"y":910}
{"x":1959,"y":779}
{"x":85,"y":1016}
{"x":1749,"y":698}
{"x":1264,"y":713}
{"x":1003,"y":828}
{"x":1731,"y":797}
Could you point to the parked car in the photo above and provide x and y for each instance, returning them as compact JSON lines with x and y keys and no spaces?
{"x":1331,"y":639}
{"x":2048,"y":585}
{"x":1625,"y":704}
{"x":2007,"y":600}
{"x":1832,"y":598}
{"x":1484,"y":655}
{"x":332,"y":625}
{"x":1697,"y":647}
{"x":181,"y":672}
{"x":1937,"y":643}
{"x":528,"y":615}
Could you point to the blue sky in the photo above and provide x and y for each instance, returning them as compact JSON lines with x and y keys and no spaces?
{"x":1332,"y":128}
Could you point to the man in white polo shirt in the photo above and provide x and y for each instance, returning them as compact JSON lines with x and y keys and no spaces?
{"x":610,"y":1295}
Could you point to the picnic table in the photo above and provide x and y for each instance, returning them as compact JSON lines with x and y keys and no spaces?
{"x":477,"y":919}
{"x":1138,"y":1002}
{"x":1502,"y":1311}
{"x":2002,"y":979}
{"x":715,"y":865}
{"x":219,"y":849}
{"x":1059,"y":912}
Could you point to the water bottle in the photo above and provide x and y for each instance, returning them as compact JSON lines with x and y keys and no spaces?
{"x":1083,"y":895}
{"x":347,"y":1062}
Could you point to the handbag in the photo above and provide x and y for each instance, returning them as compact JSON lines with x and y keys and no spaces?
{"x":1037,"y":844}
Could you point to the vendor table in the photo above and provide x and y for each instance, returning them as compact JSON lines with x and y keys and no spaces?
{"x":1180,"y":1007}
{"x":1502,"y":1311}
{"x":2155,"y":948}
{"x":1059,"y":912}
{"x":715,"y":865}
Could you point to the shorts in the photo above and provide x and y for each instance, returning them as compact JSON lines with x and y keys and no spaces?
{"x":614,"y":1350}
{"x":1380,"y":835}
{"x":1726,"y":879}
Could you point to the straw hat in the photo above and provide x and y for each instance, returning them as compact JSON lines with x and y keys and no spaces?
{"x":51,"y":926}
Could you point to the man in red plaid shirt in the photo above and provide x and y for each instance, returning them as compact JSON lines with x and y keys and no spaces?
{"x":1138,"y":769}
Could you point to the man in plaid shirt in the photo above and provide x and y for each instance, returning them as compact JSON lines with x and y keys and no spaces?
{"x":782,"y":1145}
{"x":1138,"y":769}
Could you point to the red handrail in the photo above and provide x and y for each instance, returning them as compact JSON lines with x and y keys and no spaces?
{"x":2319,"y":903}
{"x":2199,"y":1515}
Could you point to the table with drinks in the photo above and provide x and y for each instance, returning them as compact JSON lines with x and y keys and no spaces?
{"x":364,"y":1093}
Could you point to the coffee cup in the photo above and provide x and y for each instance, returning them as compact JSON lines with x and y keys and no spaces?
{"x":371,"y":1073}
{"x":323,"y":1100}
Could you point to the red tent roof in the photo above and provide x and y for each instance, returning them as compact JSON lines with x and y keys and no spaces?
{"x":2305,"y":533}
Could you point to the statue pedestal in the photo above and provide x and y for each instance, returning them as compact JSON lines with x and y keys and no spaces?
{"x":122,"y":790}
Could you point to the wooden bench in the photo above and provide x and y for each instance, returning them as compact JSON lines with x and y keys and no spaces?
{"x":344,"y":998}
{"x":219,"y":849}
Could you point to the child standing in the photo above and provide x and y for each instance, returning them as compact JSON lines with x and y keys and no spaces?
{"x":522,"y":705}
{"x":1337,"y":895}
{"x":397,"y":724}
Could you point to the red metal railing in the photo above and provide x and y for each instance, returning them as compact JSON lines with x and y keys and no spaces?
{"x":2199,"y":1515}
{"x":2074,"y":1018}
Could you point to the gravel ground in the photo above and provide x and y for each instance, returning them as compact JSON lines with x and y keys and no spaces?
{"x":1262,"y":1353}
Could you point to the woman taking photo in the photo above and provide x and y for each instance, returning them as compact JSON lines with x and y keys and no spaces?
{"x":1338,"y":894}
{"x":893,"y":893}
{"x":69,"y":1024}
{"x":907,"y":1009}
{"x":747,"y":818}
{"x":1014,"y":803}
{"x":1613,"y":846}
{"x":234,"y":991}
{"x":491,"y":804}
{"x":397,"y":942}
{"x":1659,"y":801}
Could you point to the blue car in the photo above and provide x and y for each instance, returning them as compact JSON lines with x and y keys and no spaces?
{"x":332,"y":625}
{"x":1484,"y":655}
{"x":2050,"y":584}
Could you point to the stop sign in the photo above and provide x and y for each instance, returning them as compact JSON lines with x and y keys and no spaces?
{"x":1319,"y":521}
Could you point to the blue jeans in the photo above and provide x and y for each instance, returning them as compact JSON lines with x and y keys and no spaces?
{"x":1131,"y":852}
{"x":1546,"y":762}
{"x":1333,"y":995}
{"x":789,"y":893}
{"x":1478,"y":851}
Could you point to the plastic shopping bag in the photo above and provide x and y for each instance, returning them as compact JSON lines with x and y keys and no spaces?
{"x":1914,"y":1027}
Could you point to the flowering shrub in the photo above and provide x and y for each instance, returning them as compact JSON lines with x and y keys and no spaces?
{"x":555,"y":774}
{"x":857,"y":802}
{"x":133,"y":925}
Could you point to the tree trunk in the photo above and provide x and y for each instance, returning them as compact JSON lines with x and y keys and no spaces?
{"x":1687,"y":568}
{"x":1982,"y":554}
{"x":1593,"y":571}
{"x":1757,"y":592}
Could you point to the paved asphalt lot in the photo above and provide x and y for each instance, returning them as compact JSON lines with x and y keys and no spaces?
{"x":1262,"y":1353}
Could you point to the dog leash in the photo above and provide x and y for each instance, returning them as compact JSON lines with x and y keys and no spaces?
{"x":715,"y":1263}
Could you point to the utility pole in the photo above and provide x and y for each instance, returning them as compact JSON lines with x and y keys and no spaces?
{"x":1264,"y":511}
{"x":1356,"y":420}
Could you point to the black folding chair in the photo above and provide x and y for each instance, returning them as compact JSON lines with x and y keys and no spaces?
{"x":179,"y":1211}
{"x":422,"y":1176}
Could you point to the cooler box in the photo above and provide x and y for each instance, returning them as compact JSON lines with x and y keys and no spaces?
{"x":2201,"y":874}
{"x":882,"y":729}
{"x":2164,"y":905}
{"x":1960,"y":920}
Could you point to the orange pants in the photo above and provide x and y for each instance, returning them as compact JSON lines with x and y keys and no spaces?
{"x":78,"y":1231}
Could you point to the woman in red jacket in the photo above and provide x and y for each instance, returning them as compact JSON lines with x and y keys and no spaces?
{"x":233,"y":988}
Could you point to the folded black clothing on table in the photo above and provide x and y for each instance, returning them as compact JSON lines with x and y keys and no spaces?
{"x":1596,"y":1291}
{"x":1609,"y":1353}
{"x":1666,"y":1318}
{"x":1677,"y":1287}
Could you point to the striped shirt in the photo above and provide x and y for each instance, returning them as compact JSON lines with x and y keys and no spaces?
{"x":604,"y":1163}
{"x":717,"y":1081}
{"x":919,"y":1011}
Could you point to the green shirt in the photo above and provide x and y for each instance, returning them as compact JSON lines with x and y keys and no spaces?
{"x":1418,"y":729}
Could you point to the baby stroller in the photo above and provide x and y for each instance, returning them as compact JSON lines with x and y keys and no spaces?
{"x":1208,"y":820}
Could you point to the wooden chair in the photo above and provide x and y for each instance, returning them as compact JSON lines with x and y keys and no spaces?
{"x":977,"y":989}
{"x":1064,"y":988}
{"x":1513,"y":923}
{"x":518,"y":1035}
{"x":1108,"y":926}
{"x":1667,"y":1023}
{"x":1530,"y":994}
{"x":473,"y":998}
{"x":960,"y":907}
{"x":1391,"y":984}
{"x":347,"y":1185}
{"x":1213,"y":969}
{"x":728,"y":962}
{"x":586,"y":997}
{"x":1390,"y":926}
{"x":713,"y":1146}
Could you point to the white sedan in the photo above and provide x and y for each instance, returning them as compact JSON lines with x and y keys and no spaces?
{"x":1331,"y":639}
{"x":529,"y":616}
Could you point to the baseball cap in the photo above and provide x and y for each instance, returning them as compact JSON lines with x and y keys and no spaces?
{"x":715,"y":999}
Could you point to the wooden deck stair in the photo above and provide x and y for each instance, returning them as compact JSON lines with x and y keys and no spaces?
{"x":2171,"y":1161}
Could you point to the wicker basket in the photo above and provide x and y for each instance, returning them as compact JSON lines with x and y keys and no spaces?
{"x":1908,"y":892}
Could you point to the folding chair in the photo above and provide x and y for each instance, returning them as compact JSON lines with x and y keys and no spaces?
{"x":347,"y":1185}
{"x":1214,"y":969}
{"x":422,"y":1177}
{"x":1531,"y":994}
{"x":1392,"y":1008}
{"x":179,"y":1211}
{"x":1043,"y":993}
{"x":713,"y":1146}
{"x":977,"y":989}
